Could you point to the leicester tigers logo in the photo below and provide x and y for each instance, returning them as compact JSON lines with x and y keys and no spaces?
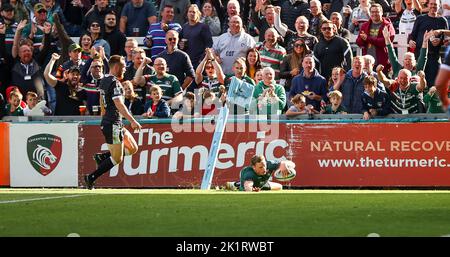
{"x":44,"y":152}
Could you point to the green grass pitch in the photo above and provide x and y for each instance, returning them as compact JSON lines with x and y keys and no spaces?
{"x":183,"y":212}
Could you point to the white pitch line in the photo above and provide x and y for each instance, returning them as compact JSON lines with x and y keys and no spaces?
{"x":39,"y":199}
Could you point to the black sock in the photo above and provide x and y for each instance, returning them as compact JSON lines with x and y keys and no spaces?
{"x":104,"y":167}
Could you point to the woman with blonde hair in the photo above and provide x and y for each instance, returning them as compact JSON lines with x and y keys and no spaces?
{"x":195,"y":36}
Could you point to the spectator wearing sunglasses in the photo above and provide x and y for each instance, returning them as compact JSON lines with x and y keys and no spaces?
{"x":33,"y":29}
{"x":96,"y":14}
{"x":97,"y":31}
{"x":178,"y":62}
{"x":332,"y":50}
{"x":291,"y":65}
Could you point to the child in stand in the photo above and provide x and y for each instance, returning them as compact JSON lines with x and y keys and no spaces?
{"x":375,"y":102}
{"x":16,"y":89}
{"x":13,"y":107}
{"x":336,"y":72}
{"x":299,"y":106}
{"x":187,"y":110}
{"x":258,"y":76}
{"x":155,"y":106}
{"x":208,"y":102}
{"x":34,"y":106}
{"x":335,"y":107}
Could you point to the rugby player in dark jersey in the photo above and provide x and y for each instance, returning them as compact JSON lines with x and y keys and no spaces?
{"x":442,"y":81}
{"x":120,"y":141}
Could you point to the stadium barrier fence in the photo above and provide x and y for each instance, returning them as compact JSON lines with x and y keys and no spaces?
{"x":407,"y":151}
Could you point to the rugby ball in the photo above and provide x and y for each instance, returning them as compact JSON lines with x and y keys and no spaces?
{"x":290,"y":174}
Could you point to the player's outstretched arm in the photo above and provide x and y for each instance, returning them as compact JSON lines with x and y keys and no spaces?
{"x":125,"y":113}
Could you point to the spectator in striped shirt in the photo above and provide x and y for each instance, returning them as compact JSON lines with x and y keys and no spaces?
{"x":156,"y":34}
{"x":271,"y":52}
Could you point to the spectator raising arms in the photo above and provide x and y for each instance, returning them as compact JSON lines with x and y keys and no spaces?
{"x":214,"y":76}
{"x":69,"y":94}
{"x":371,"y":39}
{"x":423,"y":23}
{"x":405,"y":95}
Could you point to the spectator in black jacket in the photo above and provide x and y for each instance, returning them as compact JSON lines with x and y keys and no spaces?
{"x":374,"y":101}
{"x":336,"y":18}
{"x":113,"y":36}
{"x":291,"y":9}
{"x":332,"y":50}
{"x":423,"y":23}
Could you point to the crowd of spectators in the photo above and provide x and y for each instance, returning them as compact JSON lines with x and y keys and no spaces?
{"x":294,"y":55}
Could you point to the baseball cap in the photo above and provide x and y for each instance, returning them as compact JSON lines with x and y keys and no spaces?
{"x":74,"y":69}
{"x":6,"y":7}
{"x":74,"y":47}
{"x":39,"y":6}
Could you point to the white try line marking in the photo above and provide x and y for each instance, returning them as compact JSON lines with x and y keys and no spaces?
{"x":39,"y":199}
